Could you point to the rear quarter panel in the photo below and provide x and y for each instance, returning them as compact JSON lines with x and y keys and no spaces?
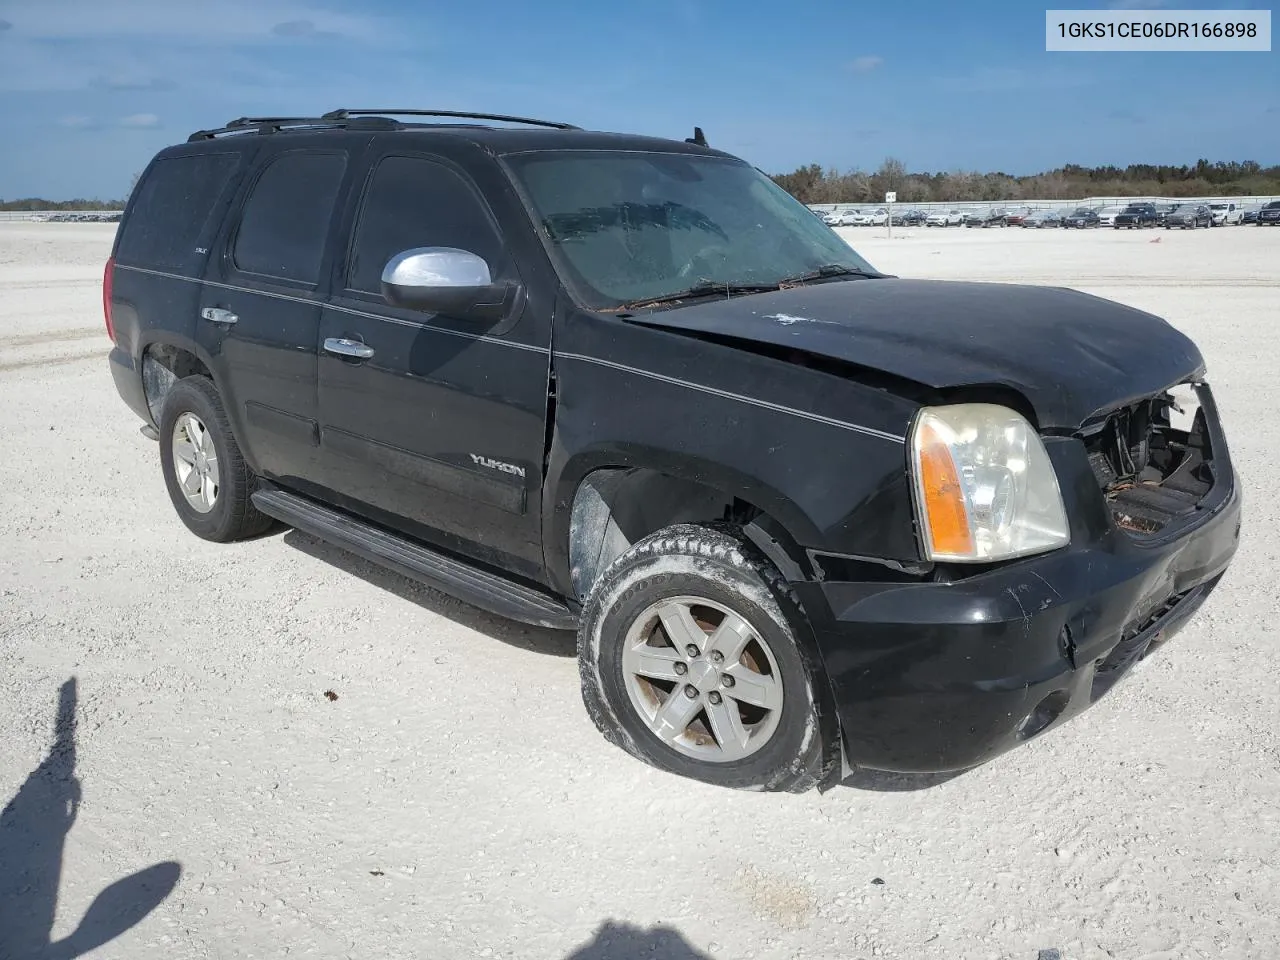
{"x":158,"y":303}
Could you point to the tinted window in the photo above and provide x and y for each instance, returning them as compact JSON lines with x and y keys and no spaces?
{"x":286,"y":219}
{"x":412,"y":202}
{"x":170,"y":216}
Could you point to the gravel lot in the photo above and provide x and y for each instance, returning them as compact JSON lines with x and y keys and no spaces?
{"x":455,"y":801}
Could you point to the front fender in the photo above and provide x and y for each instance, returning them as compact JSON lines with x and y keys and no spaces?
{"x":773,"y":433}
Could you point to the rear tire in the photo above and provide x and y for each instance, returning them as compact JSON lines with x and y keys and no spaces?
{"x":769,"y":726}
{"x":209,"y":483}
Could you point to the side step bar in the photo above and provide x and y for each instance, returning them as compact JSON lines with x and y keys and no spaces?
{"x":488,"y":591}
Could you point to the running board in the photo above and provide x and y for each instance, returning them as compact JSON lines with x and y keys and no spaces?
{"x":489,"y":591}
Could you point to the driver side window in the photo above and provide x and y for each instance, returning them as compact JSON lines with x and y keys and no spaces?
{"x":415,"y":202}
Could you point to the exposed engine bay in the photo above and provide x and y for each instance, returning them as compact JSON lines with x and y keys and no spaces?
{"x":1153,"y":460}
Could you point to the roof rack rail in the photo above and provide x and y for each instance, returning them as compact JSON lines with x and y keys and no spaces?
{"x":345,"y":114}
{"x":268,"y":125}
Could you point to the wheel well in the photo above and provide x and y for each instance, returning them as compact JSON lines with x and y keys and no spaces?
{"x":614,"y":508}
{"x":163,"y":365}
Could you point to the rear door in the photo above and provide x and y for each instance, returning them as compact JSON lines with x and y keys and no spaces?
{"x":260,"y":310}
{"x":440,"y":431}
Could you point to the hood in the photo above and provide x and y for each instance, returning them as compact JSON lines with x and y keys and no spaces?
{"x":1072,"y":355}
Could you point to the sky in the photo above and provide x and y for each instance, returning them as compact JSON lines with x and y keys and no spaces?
{"x":91,"y":89}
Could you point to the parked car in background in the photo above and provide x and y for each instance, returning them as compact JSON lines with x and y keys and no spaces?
{"x":1041,"y":219}
{"x":1250,"y":216}
{"x":1107,"y":216}
{"x":909,"y":218}
{"x":1188,"y":216}
{"x":1163,"y":210}
{"x":1136,"y":216}
{"x":944,"y":218}
{"x":876,"y":218}
{"x":850,"y":218}
{"x":985,"y":218}
{"x":1081,"y":218}
{"x":1014,"y":216}
{"x":1225,"y":214}
{"x":831,"y":218}
{"x":1269,"y":215}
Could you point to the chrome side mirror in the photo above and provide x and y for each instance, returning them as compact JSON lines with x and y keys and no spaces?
{"x":445,"y":280}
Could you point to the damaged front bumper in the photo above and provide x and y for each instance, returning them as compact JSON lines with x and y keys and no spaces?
{"x":934,"y":676}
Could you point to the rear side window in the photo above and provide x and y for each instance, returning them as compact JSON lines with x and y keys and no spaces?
{"x":171,"y":215}
{"x":414,"y":202}
{"x":286,"y":218}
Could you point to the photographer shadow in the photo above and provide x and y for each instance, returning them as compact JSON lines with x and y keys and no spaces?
{"x":33,"y":831}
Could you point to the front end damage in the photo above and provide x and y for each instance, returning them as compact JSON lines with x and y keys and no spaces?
{"x":1154,"y":460}
{"x":939,"y":673}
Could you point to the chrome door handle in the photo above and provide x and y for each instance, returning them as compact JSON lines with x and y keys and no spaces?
{"x":218,"y":315}
{"x":348,"y":348}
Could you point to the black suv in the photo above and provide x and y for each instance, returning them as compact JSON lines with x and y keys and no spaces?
{"x":803,"y":515}
{"x":1137,"y":215}
{"x":1269,"y":216}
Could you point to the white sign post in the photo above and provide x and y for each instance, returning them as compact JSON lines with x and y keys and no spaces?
{"x":891,"y":198}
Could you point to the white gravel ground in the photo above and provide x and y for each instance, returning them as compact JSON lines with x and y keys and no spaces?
{"x":455,"y":801}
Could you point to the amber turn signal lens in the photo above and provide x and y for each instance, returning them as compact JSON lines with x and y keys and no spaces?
{"x":946,"y":521}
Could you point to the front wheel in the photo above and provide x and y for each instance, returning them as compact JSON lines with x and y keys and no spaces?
{"x":208,"y":480}
{"x":696,"y":659}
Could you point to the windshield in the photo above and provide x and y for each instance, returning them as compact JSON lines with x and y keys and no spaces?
{"x":1134,"y":209}
{"x":631,"y":226}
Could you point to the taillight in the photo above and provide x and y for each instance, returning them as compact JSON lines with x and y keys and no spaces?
{"x":107,"y":274}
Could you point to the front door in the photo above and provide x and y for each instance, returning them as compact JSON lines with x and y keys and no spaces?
{"x":432,"y":423}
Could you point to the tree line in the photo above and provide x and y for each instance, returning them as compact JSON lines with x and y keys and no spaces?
{"x":813,"y":184}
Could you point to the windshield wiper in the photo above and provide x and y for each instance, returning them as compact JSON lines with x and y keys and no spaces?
{"x":711,"y":288}
{"x":704,"y":288}
{"x":828,"y":270}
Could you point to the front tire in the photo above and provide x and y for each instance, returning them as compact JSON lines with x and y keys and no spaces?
{"x":209,"y":483}
{"x":696,"y":658}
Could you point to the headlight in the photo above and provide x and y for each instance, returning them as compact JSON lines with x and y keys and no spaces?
{"x":984,"y":487}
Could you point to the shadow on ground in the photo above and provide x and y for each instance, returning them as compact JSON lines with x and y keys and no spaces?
{"x":33,"y":831}
{"x":559,"y":643}
{"x":621,"y":941}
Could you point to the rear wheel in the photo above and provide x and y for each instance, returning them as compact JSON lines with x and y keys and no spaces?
{"x":696,"y":659}
{"x":208,"y":480}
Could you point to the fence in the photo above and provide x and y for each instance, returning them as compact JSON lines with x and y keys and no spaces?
{"x":60,"y":215}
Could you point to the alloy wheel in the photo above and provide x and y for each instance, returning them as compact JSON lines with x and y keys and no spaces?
{"x":702,"y":679}
{"x":195,"y":462}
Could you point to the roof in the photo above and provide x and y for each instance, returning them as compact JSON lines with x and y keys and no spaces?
{"x":523,"y":135}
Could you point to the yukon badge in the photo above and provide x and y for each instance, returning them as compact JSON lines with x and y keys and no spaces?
{"x":492,"y":464}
